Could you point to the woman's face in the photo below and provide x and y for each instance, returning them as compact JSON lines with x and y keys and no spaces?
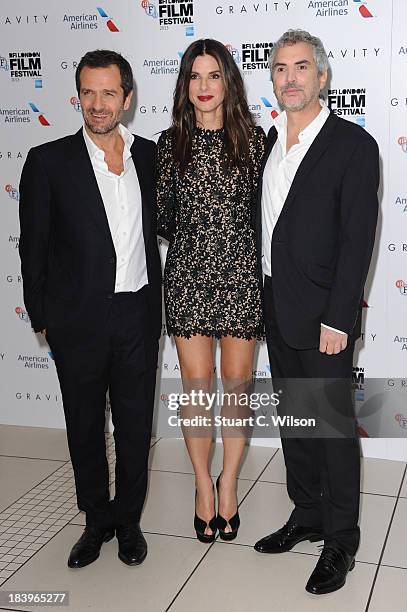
{"x":206,"y":86}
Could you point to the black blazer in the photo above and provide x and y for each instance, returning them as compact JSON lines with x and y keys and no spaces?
{"x":68,"y":260}
{"x":323,"y":240}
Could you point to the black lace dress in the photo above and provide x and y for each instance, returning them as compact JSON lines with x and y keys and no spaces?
{"x":211,"y":282}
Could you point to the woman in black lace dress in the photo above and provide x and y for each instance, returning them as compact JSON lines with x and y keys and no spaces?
{"x":208,"y":165}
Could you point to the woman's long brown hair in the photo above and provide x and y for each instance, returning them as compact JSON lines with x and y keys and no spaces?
{"x":237,"y":120}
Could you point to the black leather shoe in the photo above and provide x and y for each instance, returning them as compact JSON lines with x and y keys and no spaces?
{"x":87,"y":548}
{"x":287,"y":537}
{"x":330,"y":572}
{"x":132,"y":544}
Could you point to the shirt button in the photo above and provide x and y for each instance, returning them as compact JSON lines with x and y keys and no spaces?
{"x":110,"y":296}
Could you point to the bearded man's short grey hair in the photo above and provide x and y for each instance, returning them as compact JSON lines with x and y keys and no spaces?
{"x":292,"y":37}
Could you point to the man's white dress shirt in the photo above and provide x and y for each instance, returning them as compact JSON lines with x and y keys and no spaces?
{"x":279,"y":173}
{"x":121,"y":197}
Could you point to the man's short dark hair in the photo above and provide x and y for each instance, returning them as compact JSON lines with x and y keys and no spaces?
{"x":101,"y":58}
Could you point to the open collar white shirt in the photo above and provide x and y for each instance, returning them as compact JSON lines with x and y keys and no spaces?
{"x":279,"y":172}
{"x":121,"y":197}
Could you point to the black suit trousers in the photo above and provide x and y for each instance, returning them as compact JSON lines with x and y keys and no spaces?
{"x":122,"y":358}
{"x":323,"y":473}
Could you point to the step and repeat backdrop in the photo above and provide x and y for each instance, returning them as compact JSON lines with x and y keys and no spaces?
{"x":40,"y":46}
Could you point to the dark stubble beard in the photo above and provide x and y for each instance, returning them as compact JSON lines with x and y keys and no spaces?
{"x":102,"y":130}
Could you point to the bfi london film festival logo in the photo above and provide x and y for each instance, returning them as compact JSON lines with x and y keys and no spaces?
{"x":402,"y":287}
{"x":252,"y":55}
{"x":401,"y":420}
{"x":234,"y":53}
{"x":23,"y":65}
{"x":358,"y":383}
{"x":90,"y":21}
{"x":75,"y":103}
{"x":22,"y":314}
{"x":23,"y":115}
{"x":349,"y":104}
{"x":339,"y":8}
{"x":13,"y":192}
{"x":255,"y":56}
{"x":402,"y":141}
{"x":170,"y":13}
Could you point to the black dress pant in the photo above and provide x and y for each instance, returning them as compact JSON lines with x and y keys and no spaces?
{"x":323,"y":473}
{"x":121,"y":357}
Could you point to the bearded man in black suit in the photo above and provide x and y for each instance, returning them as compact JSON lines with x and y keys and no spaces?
{"x":316,"y":220}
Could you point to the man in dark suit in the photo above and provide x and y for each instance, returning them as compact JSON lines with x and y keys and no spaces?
{"x":92,"y":284}
{"x":316,"y":221}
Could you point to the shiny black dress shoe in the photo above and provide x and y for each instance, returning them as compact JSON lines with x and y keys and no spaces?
{"x":87,"y":548}
{"x":287,"y":537}
{"x":330,"y":572}
{"x":132,"y":544}
{"x":234,"y":522}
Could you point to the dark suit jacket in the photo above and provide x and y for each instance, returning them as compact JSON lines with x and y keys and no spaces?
{"x":67,"y":255}
{"x":322,"y":242}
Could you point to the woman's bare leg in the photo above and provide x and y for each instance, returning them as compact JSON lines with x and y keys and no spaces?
{"x":236,"y":371}
{"x":195,"y":357}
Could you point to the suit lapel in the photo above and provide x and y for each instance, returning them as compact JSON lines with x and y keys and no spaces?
{"x":271,"y":139}
{"x":318,"y":147}
{"x":144,"y":177}
{"x":82,"y":173}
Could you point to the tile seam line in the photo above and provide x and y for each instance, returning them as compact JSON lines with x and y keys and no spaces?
{"x":210,"y":547}
{"x":33,"y":458}
{"x":369,"y":600}
{"x":33,"y":487}
{"x":29,"y":558}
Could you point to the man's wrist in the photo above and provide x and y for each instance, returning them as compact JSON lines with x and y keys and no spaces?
{"x":333,"y":329}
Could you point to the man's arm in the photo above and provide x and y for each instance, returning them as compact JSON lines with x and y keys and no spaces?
{"x":35,"y":200}
{"x":359,"y":209}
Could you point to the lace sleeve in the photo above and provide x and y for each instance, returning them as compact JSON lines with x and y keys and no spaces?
{"x":165,"y":188}
{"x":257,"y":149}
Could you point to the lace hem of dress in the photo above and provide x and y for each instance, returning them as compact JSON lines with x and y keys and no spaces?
{"x":258,"y":333}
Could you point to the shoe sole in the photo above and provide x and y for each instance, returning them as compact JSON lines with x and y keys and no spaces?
{"x":205,"y":539}
{"x":283,"y":550}
{"x":123,"y":559}
{"x":107,"y":538}
{"x":228,"y":536}
{"x":325,"y":591}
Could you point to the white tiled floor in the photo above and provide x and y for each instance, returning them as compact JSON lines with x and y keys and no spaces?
{"x":39,"y":522}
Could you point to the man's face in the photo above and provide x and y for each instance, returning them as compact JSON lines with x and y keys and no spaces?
{"x":295,"y":77}
{"x":101,"y":98}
